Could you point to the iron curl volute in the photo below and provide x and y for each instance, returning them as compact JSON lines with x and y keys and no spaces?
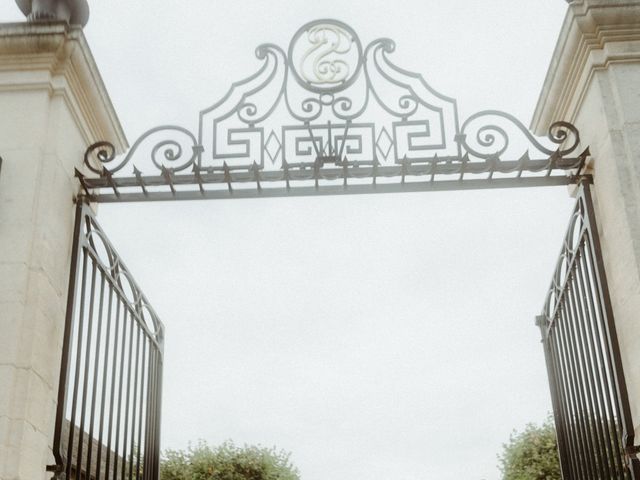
{"x":387,"y":45}
{"x":104,"y":152}
{"x":560,"y":131}
{"x":341,"y":106}
{"x":261,"y":51}
{"x":312,"y":106}
{"x":408,"y":104}
{"x":558,"y":134}
{"x":247,"y":112}
{"x":171,"y":149}
{"x":493,"y":138}
{"x":265,"y":49}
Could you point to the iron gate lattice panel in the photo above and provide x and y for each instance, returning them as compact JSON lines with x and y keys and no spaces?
{"x":589,"y":395}
{"x":108,"y":417}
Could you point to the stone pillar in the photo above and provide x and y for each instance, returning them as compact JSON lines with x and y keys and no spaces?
{"x":593,"y":81}
{"x":53,"y":104}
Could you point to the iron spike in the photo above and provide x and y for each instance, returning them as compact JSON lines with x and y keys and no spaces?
{"x":345,"y":171}
{"x":112,"y":184}
{"x":463,"y":164}
{"x":374,"y":171}
{"x":198,"y":177}
{"x":256,"y":175}
{"x":166,"y":173}
{"x":138,"y":175}
{"x":285,"y":169}
{"x":434,"y":166}
{"x":522,"y":163}
{"x":404,"y":168}
{"x":80,"y":176}
{"x":227,"y":177}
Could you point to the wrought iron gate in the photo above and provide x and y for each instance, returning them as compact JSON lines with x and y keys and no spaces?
{"x":326,"y":116}
{"x":108,"y":418}
{"x":588,"y":391}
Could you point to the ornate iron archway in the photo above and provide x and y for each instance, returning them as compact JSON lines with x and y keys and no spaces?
{"x":330,"y":116}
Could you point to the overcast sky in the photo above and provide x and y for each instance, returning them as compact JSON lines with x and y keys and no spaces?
{"x":373,"y":337}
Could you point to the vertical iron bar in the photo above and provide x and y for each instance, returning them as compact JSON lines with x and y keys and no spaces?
{"x":586,"y":369}
{"x":611,"y":337}
{"x":135,"y":398}
{"x":563,"y":375}
{"x":559,"y":421}
{"x":112,"y":390}
{"x":148,"y":460}
{"x":65,"y":366}
{"x":614,"y":399}
{"x":74,"y":400}
{"x":595,"y":371}
{"x":155,"y":412}
{"x":105,"y":369}
{"x":119,"y":409}
{"x":574,"y":392}
{"x":141,"y":406}
{"x":87,"y":358}
{"x":581,"y":381}
{"x":95,"y":376}
{"x":125,"y":438}
{"x":158,"y":414}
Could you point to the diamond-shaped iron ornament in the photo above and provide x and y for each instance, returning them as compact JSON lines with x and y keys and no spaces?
{"x":273,"y":147}
{"x":384,"y":143}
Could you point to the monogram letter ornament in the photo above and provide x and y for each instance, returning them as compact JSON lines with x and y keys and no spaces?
{"x":325,"y":56}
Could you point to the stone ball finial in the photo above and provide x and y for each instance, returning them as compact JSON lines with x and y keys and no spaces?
{"x":75,"y":12}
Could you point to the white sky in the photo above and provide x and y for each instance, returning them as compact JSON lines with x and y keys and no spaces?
{"x":374,"y":337}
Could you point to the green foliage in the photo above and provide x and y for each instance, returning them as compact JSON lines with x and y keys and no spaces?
{"x":226,"y":462}
{"x":531,"y":454}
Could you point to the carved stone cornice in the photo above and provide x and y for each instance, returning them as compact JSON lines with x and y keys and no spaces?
{"x":55,"y":57}
{"x":594,"y":34}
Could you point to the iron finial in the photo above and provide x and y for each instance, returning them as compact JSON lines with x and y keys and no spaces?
{"x":74,"y":12}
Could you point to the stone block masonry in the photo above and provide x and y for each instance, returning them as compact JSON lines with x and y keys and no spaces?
{"x":594,"y":82}
{"x":53,"y":105}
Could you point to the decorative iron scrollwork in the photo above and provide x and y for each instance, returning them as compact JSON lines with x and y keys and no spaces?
{"x":559,"y":133}
{"x":349,"y":113}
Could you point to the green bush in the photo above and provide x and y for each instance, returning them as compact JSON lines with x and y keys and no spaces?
{"x":531,"y":454}
{"x":226,"y":462}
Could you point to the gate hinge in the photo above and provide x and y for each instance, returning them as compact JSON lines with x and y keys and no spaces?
{"x":58,"y":472}
{"x":632,"y":451}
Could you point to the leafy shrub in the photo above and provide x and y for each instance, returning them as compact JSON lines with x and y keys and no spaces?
{"x":227,"y":462}
{"x":531,"y":454}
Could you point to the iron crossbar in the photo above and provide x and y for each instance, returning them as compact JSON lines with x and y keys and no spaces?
{"x":588,"y":390}
{"x":345,"y":180}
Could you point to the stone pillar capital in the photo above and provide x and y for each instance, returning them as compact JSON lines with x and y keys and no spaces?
{"x":594,"y":34}
{"x":55,"y":57}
